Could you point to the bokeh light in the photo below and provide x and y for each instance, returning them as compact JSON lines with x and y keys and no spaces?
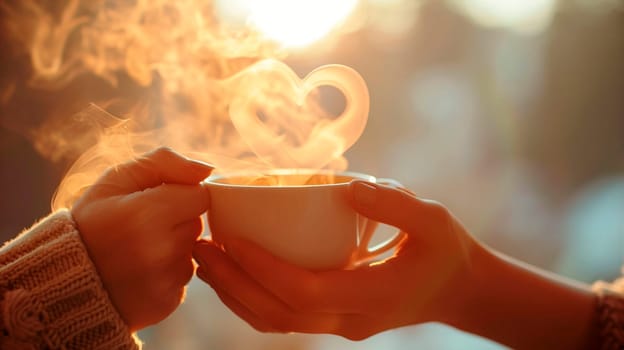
{"x":522,"y":16}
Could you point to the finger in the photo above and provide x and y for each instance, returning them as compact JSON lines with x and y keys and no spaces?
{"x":176,"y":203}
{"x":187,"y":234}
{"x":360,"y":291}
{"x":354,"y":327}
{"x":239,"y":309}
{"x":162,"y":165}
{"x":224,"y":274}
{"x":397,"y":207}
{"x":261,"y":303}
{"x":180,"y":272}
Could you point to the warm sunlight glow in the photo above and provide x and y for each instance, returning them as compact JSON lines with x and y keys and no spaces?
{"x":523,"y":16}
{"x":297,"y":23}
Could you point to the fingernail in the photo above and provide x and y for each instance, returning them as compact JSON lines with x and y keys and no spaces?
{"x":198,"y":251}
{"x":202,"y":274}
{"x":365,"y":194}
{"x":202,"y":164}
{"x":200,"y":262}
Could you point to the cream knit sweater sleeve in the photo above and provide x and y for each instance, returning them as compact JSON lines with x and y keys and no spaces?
{"x":611,"y":313}
{"x":51,"y":296}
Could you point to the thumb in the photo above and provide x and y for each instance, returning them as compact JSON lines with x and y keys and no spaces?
{"x":182,"y":202}
{"x":396,"y":207}
{"x":160,"y":166}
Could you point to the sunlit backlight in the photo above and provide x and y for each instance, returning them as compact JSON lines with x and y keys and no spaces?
{"x":296,"y":23}
{"x":522,"y":16}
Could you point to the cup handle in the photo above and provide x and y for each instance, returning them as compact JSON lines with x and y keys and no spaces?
{"x":368,"y":228}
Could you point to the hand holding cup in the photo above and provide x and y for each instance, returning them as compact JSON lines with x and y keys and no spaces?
{"x":139,"y":222}
{"x":427,"y":279}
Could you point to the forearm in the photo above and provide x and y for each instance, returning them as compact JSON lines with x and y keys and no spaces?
{"x":51,"y":295}
{"x":522,"y":307}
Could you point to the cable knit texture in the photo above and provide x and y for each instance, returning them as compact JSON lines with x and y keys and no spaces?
{"x":611,"y":313}
{"x":51,"y":296}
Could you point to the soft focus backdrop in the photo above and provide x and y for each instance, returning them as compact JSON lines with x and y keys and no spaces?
{"x":510,"y":112}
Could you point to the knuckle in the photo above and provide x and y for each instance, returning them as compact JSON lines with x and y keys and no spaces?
{"x":148,"y":162}
{"x":438,"y":210}
{"x":162,"y":152}
{"x":162,"y":155}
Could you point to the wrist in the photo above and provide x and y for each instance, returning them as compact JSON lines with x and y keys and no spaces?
{"x":466,"y":289}
{"x":475,"y":292}
{"x":524,"y":307}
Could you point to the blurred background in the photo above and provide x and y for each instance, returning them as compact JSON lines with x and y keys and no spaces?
{"x":509,"y":112}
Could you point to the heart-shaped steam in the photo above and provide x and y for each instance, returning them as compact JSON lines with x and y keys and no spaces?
{"x":271,"y":111}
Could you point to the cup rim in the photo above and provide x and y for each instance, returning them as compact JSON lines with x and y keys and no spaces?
{"x":210,"y":180}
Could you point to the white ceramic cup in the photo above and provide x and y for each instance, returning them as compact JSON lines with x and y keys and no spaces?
{"x":298,"y":215}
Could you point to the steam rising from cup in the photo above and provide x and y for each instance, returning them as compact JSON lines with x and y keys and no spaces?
{"x":212,"y":92}
{"x":303,"y":137}
{"x":295,"y":131}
